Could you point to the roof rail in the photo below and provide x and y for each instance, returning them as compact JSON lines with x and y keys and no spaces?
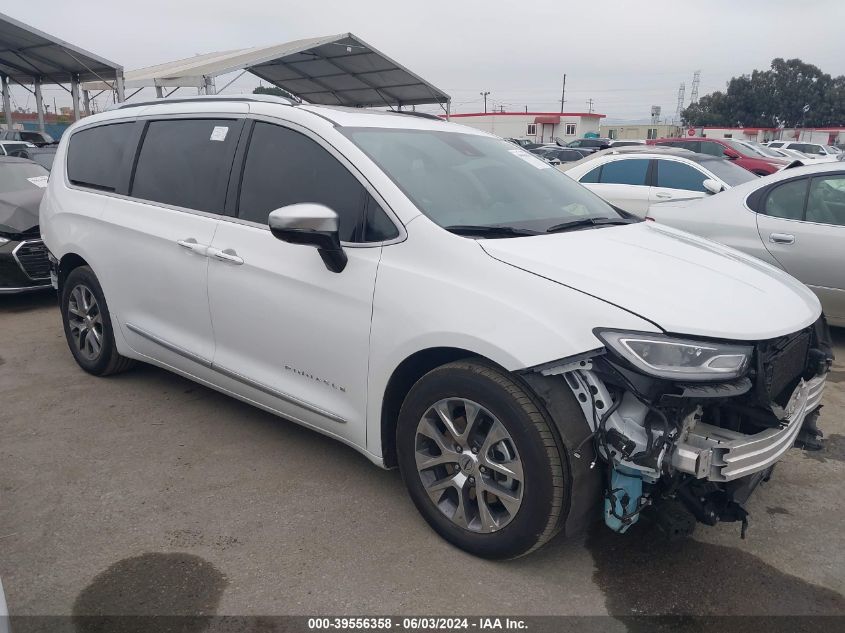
{"x":247,"y":97}
{"x":422,"y":115}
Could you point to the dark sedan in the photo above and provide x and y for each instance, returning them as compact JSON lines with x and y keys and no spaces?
{"x":23,"y":258}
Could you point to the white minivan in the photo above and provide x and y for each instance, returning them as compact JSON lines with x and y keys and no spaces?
{"x":440,"y":300}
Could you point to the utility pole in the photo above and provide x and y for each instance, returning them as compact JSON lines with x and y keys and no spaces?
{"x":696,"y":79}
{"x":680,"y":107}
{"x":484,"y":94}
{"x":590,"y":105}
{"x":563,"y":94}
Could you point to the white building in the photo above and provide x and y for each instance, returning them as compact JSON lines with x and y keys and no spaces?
{"x":824,"y":136}
{"x":541,"y":127}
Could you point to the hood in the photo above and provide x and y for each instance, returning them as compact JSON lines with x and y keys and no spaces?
{"x":682,"y":283}
{"x":19,"y":210}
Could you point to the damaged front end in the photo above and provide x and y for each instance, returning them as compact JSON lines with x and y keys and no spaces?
{"x":690,"y":427}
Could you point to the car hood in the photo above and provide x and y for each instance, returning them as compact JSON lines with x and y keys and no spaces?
{"x":19,"y":210}
{"x":682,"y":283}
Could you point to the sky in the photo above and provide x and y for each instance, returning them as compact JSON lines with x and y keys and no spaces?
{"x":624,"y":55}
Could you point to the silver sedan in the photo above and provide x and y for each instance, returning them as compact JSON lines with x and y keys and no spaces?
{"x":794,"y":219}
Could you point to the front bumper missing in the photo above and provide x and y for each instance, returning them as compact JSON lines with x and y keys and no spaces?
{"x":718,"y":454}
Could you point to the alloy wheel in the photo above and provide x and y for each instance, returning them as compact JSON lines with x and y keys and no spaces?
{"x":85,"y":321}
{"x":468,"y":464}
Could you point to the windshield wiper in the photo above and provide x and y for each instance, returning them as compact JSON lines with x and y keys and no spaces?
{"x":584,"y":222}
{"x":495,"y":230}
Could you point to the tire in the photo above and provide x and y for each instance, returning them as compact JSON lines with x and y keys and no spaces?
{"x":466,"y":496}
{"x":87,"y":325}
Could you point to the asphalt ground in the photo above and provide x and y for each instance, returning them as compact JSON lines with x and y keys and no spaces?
{"x":145,"y":493}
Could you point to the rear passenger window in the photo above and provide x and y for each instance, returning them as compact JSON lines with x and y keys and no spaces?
{"x":591,"y":176}
{"x":787,"y":200}
{"x":95,"y":155}
{"x":625,"y":172}
{"x":713,"y":149}
{"x":674,"y":175}
{"x":186,"y":163}
{"x":284,"y":167}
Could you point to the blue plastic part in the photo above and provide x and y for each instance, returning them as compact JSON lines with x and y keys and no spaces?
{"x":626,"y":488}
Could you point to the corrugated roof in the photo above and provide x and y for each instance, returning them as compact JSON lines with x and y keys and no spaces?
{"x":26,"y":52}
{"x":335,"y":70}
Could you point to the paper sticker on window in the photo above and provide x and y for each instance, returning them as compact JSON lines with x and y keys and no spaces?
{"x":530,"y":158}
{"x":39,"y":181}
{"x":219,"y":133}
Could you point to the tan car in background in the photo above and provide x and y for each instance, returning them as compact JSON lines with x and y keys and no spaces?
{"x":794,"y":219}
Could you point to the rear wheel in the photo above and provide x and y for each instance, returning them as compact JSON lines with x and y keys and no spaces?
{"x":87,"y":325}
{"x":480,"y":460}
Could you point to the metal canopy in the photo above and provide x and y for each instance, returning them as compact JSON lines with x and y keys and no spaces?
{"x":28,"y":55}
{"x":334,"y":70}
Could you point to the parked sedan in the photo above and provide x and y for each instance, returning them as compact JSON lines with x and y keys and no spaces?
{"x":560,"y":154}
{"x":794,"y":219}
{"x":741,"y":153}
{"x":23,"y":258}
{"x":811,"y":149}
{"x":633,"y":178}
{"x":42,"y":155}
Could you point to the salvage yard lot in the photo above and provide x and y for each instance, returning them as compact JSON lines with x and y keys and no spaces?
{"x":107,"y":485}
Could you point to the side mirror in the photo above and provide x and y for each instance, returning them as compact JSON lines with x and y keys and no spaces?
{"x":712,"y":186}
{"x":731,"y":155}
{"x":312,"y":225}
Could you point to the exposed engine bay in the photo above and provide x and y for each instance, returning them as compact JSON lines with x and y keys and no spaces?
{"x":693,"y":450}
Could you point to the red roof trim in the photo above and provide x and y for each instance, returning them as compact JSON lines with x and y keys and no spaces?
{"x":558,"y":114}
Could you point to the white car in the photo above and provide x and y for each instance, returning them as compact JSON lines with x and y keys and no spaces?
{"x":634,"y":178}
{"x":8,"y":147}
{"x":813,"y":150}
{"x":438,"y":299}
{"x":794,"y":219}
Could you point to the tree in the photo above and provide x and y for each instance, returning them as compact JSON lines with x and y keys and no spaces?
{"x":791,"y":93}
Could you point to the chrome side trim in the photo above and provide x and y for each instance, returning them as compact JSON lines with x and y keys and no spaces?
{"x":13,"y":291}
{"x":278,"y":394}
{"x":168,"y":345}
{"x":228,"y":373}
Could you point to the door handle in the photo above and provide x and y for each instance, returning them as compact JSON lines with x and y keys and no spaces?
{"x":782,"y":238}
{"x":192,"y":245}
{"x":226,"y":255}
{"x":662,"y":195}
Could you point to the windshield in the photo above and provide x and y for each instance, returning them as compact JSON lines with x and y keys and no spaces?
{"x":762,"y":150}
{"x":730,"y":173}
{"x":21,"y":176}
{"x":742,"y":148}
{"x":468,"y":179}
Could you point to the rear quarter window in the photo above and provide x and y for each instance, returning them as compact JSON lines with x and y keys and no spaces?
{"x":95,"y":155}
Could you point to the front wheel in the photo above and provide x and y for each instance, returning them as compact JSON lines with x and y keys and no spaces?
{"x":481,"y":461}
{"x":87,"y":324}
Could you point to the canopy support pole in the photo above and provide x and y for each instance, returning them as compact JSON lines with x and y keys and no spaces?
{"x":118,"y":86}
{"x":74,"y":95}
{"x":7,"y":104}
{"x":159,"y":93}
{"x":86,"y":103}
{"x":39,"y":105}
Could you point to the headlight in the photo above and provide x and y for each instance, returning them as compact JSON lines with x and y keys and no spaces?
{"x":678,"y":359}
{"x":3,"y":240}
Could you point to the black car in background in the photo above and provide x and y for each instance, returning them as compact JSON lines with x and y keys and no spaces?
{"x":562,"y":154}
{"x":23,"y":257}
{"x":596,"y":144}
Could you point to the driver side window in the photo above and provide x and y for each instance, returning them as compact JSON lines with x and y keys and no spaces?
{"x":284,"y":167}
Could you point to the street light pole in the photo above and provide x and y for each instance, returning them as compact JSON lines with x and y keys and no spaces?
{"x":484,"y":94}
